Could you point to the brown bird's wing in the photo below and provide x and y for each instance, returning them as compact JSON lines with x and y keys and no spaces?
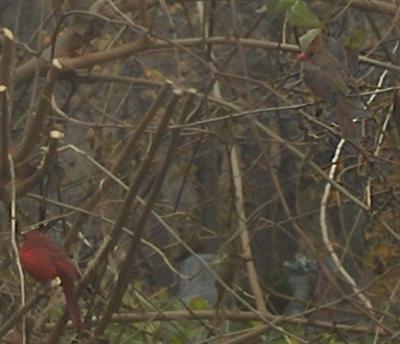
{"x":331,"y":67}
{"x":337,"y":66}
{"x":322,"y":83}
{"x":328,"y":79}
{"x":331,"y":87}
{"x":336,"y":71}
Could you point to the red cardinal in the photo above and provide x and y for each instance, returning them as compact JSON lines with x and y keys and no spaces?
{"x":325,"y":75}
{"x":45,"y":260}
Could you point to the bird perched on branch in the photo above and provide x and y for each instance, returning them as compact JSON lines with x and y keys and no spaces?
{"x":327,"y":78}
{"x":45,"y":260}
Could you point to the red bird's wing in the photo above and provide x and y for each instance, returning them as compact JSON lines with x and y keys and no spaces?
{"x":65,"y":267}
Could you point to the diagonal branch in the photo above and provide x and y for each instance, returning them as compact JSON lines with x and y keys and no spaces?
{"x":123,"y":213}
{"x":120,"y":162}
{"x":122,"y":282}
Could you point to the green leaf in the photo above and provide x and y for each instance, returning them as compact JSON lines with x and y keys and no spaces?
{"x":308,"y":38}
{"x":302,"y":16}
{"x":278,"y":7}
{"x":355,"y":40}
{"x":198,"y":304}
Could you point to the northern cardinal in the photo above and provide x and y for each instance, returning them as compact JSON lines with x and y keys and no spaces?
{"x":327,"y":78}
{"x":45,"y":260}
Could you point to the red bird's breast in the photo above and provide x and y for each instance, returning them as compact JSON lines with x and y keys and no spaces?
{"x":38,"y":263}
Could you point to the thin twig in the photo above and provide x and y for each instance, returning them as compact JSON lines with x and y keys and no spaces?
{"x":13,"y":215}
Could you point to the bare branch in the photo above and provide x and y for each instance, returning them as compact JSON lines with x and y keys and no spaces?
{"x":35,"y":122}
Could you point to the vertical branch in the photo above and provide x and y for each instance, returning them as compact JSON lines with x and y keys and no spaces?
{"x":5,"y":82}
{"x":244,"y":234}
{"x":50,"y":153}
{"x":4,"y":132}
{"x":13,"y":216}
{"x":34,"y":124}
{"x":239,"y":46}
{"x":144,"y":13}
{"x":6,"y":56}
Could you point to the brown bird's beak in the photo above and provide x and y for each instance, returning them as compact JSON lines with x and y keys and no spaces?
{"x":302,"y":56}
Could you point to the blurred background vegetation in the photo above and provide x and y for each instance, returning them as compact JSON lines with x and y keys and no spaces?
{"x":177,"y":154}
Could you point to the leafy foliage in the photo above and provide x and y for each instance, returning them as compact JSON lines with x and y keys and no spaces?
{"x":299,"y":14}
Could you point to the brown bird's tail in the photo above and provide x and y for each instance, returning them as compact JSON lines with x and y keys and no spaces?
{"x":68,"y":286}
{"x":344,"y":117}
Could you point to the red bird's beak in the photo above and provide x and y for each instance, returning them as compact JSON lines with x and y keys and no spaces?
{"x":302,"y":56}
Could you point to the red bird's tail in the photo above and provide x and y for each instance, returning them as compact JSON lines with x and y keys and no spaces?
{"x":68,"y":286}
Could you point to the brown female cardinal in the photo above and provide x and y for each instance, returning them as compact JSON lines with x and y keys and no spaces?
{"x":325,"y":75}
{"x":45,"y":260}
